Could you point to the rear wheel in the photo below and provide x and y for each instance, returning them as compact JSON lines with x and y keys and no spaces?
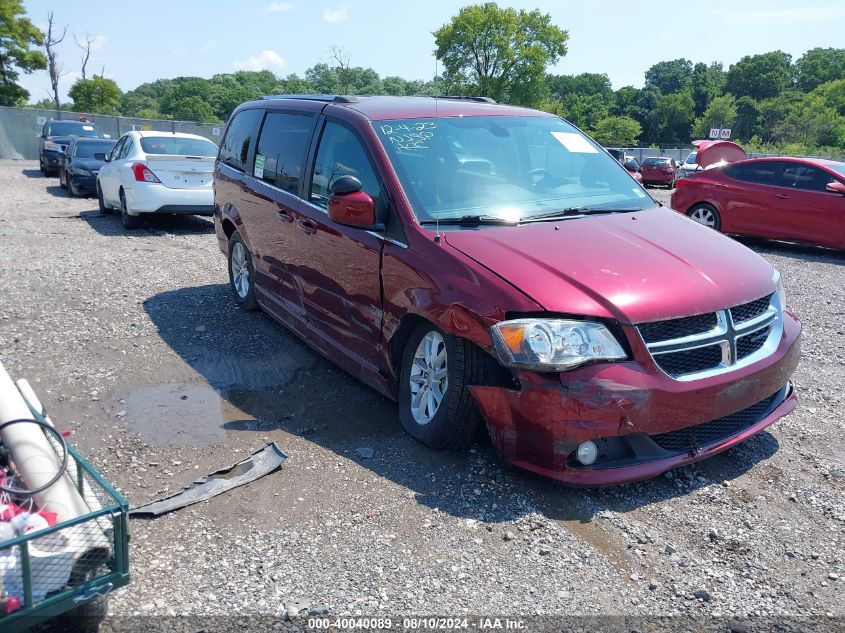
{"x":241,"y":273}
{"x":435,"y":406}
{"x":130,"y":222}
{"x":705,"y":214}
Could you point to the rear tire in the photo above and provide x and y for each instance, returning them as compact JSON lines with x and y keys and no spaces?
{"x":130,"y":222}
{"x":453,"y":421}
{"x":241,"y":273}
{"x":706,"y":215}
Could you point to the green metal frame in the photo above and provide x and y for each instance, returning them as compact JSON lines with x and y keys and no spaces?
{"x":53,"y":605}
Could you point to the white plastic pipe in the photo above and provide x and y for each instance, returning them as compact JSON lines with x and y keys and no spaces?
{"x":34,"y":457}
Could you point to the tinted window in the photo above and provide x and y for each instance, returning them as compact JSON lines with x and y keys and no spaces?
{"x":239,"y":138}
{"x":805,"y":177}
{"x":178,"y":146}
{"x":282,"y":149}
{"x":71,"y":128}
{"x":341,"y":154}
{"x":87,"y":149}
{"x":651,"y":162}
{"x":759,"y":173}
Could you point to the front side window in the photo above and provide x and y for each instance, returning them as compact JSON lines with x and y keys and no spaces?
{"x":127,"y":148}
{"x":805,"y":177}
{"x":118,"y":148}
{"x":87,"y":149}
{"x":762,"y":173}
{"x":513,"y":167}
{"x":282,"y":149}
{"x":240,"y":137}
{"x":341,"y":154}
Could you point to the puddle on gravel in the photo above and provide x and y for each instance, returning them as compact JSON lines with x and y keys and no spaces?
{"x":198,"y":415}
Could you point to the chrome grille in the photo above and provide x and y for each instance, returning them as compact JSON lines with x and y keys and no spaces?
{"x":703,"y":434}
{"x":690,"y":348}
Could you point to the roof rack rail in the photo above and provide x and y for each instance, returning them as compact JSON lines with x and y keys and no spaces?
{"x":466,"y":98}
{"x":330,"y":98}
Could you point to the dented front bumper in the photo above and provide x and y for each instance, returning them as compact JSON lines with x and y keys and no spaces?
{"x":538,"y":426}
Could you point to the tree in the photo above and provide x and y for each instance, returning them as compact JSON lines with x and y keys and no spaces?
{"x":97,"y":95}
{"x":17,"y":35}
{"x":719,"y":114}
{"x":625,"y":101}
{"x":586,"y":84}
{"x":54,"y":68}
{"x":617,"y":131}
{"x":747,"y":117}
{"x":500,"y":53}
{"x":675,"y":112}
{"x":818,"y":66}
{"x":192,"y":108}
{"x":669,"y":77}
{"x":646,"y":112}
{"x":86,"y":53}
{"x":760,"y":76}
{"x":706,"y":83}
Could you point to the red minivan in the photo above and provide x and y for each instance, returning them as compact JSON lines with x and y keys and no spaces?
{"x":490,"y":264}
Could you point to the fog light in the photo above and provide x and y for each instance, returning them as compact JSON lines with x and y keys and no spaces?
{"x":587,"y":452}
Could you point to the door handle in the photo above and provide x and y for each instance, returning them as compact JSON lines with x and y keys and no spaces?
{"x":308,"y":226}
{"x":285,"y":215}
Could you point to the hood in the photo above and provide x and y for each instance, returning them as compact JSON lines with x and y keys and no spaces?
{"x":90,"y":164}
{"x":633,"y":267}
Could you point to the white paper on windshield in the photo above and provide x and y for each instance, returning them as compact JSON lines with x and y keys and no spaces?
{"x":88,"y":128}
{"x":575,"y":143}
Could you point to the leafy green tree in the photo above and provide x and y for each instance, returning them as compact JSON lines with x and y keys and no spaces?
{"x":747,"y":117}
{"x":617,"y":131}
{"x":585,"y":84}
{"x":832,"y":94}
{"x":17,"y":35}
{"x":648,"y":115}
{"x":675,"y":113}
{"x":773,"y":113}
{"x":706,"y":83}
{"x":192,"y":108}
{"x":818,"y":66}
{"x":625,"y":101}
{"x":500,"y":53}
{"x":720,"y":113}
{"x":760,"y":76}
{"x":670,"y":76}
{"x":97,"y":95}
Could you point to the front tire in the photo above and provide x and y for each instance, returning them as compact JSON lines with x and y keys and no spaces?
{"x":705,"y":214}
{"x":130,"y":222}
{"x":241,"y":273}
{"x":62,"y":181}
{"x":435,"y":406}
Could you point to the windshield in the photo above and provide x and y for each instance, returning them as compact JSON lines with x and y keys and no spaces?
{"x":87,"y":149}
{"x":503,"y":166}
{"x":655,"y":161}
{"x":178,"y":146}
{"x":691,"y":158}
{"x":71,"y":128}
{"x":836,"y":166}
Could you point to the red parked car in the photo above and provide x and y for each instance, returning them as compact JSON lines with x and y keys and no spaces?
{"x":660,"y":170}
{"x":486,"y":263}
{"x":793,"y":199}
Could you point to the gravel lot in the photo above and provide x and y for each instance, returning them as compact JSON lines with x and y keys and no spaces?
{"x":134,"y":344}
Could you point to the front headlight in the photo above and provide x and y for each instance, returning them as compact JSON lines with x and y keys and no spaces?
{"x":79,"y":171}
{"x":553,"y":344}
{"x":776,"y":277}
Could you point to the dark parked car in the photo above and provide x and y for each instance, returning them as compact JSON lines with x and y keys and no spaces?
{"x":80,"y":164}
{"x":539,"y":293}
{"x":793,"y":199}
{"x":660,"y":170}
{"x":55,"y":137}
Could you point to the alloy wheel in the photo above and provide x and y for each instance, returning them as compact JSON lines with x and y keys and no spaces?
{"x":240,"y":270}
{"x":704,"y":216}
{"x":429,"y":377}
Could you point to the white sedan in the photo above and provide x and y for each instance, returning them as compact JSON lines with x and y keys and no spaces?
{"x":157,"y":172}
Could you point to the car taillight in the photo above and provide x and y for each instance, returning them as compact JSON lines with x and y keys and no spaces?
{"x":143,"y":173}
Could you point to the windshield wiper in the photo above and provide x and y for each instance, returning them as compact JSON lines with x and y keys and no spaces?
{"x":572,"y":212}
{"x":474,"y":220}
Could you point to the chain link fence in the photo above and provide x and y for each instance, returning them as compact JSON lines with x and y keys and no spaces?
{"x":20,"y":128}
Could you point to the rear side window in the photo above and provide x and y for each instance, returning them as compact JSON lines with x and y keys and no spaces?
{"x":757,"y":173}
{"x":805,"y":177}
{"x":127,"y":148}
{"x":178,"y":146}
{"x":282,"y":148}
{"x":341,"y":154}
{"x":240,"y":137}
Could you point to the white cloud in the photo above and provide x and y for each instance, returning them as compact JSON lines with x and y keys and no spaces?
{"x":209,"y":45}
{"x":265,"y":60}
{"x":334,"y":15}
{"x":278,"y":7}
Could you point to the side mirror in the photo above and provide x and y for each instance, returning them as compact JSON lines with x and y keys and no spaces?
{"x":99,"y":156}
{"x":344,"y":185}
{"x":353,"y":209}
{"x":836,"y":187}
{"x":107,"y":158}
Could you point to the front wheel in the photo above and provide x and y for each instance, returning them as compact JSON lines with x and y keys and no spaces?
{"x":62,"y":181}
{"x":435,"y":406}
{"x":705,"y":214}
{"x":241,"y":273}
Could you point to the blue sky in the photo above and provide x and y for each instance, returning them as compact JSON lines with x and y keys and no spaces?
{"x":153,"y":39}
